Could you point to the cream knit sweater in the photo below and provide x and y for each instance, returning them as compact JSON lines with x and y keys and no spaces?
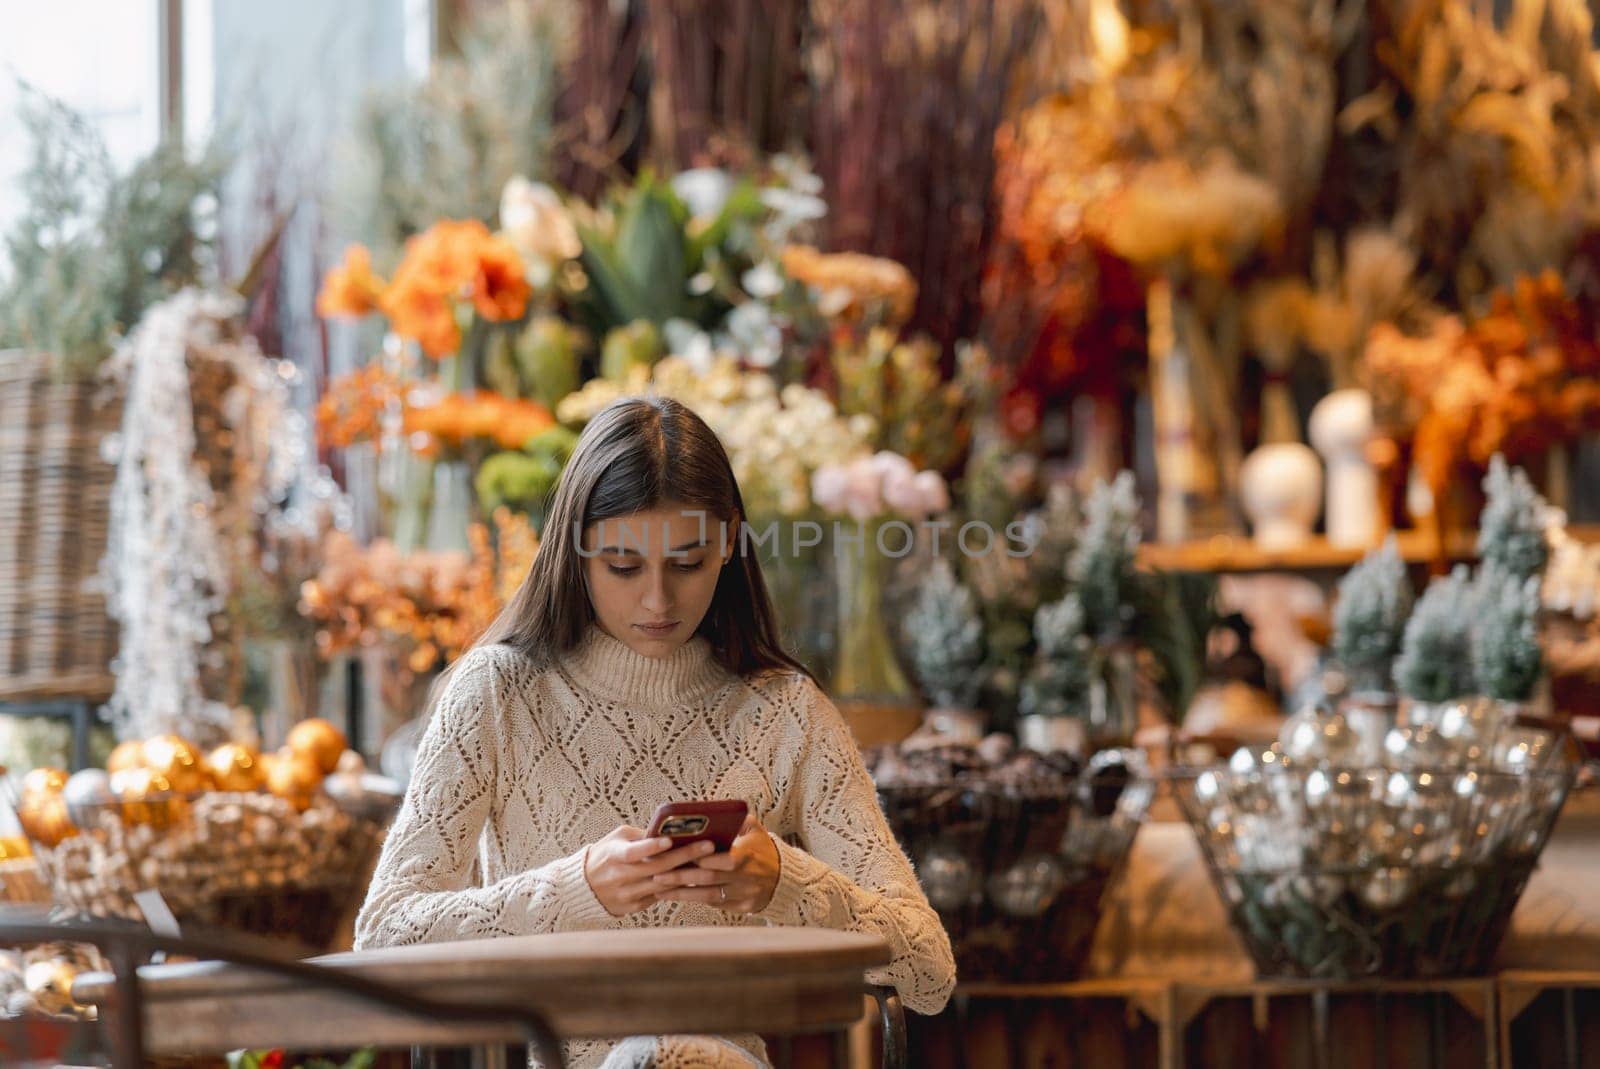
{"x":520,"y":769}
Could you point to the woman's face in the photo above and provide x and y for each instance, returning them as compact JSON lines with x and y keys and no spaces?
{"x":652,"y":574}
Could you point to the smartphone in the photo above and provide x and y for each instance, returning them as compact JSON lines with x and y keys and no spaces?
{"x":693,"y":822}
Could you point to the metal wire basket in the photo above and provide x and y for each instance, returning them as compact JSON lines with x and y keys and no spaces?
{"x":1018,"y":876}
{"x":1345,"y":873}
{"x":243,"y":862}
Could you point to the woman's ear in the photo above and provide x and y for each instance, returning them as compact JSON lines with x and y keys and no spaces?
{"x":735,"y":526}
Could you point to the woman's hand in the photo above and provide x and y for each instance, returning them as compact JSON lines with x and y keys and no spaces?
{"x":621,"y":868}
{"x":740,"y":881}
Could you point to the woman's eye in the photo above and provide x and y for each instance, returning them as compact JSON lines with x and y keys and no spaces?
{"x":695,"y":567}
{"x":621,"y":571}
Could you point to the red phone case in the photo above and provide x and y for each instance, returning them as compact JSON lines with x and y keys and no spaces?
{"x":718,"y":821}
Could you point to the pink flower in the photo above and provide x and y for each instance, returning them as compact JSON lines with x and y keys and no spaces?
{"x":935,"y":494}
{"x":863,"y":497}
{"x":828,"y":486}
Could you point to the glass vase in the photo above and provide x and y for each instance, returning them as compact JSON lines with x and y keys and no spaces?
{"x":865,"y":665}
{"x":1113,"y":698}
{"x":450,"y":511}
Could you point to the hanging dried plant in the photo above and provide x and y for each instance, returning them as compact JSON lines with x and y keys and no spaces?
{"x":907,"y":95}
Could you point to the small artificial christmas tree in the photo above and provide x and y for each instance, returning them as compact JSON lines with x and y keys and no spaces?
{"x":1058,"y":684}
{"x":1369,"y":619}
{"x":1435,"y":661}
{"x":1506,"y":655}
{"x":1100,"y":569}
{"x":1511,"y":531}
{"x":945,"y":632}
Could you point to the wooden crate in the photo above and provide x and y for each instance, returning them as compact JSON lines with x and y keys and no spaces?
{"x":1549,"y":1019}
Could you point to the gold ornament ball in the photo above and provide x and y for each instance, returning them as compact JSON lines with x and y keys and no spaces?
{"x":294,"y":778}
{"x":127,"y":755}
{"x":146,"y":797}
{"x":45,"y":819}
{"x":320,"y":741}
{"x":234,"y":767}
{"x":42,"y":782}
{"x":175,"y":760}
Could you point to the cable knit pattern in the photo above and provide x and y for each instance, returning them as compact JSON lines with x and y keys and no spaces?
{"x":520,"y":769}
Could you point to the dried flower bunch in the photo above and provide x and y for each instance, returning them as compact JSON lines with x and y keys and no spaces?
{"x":1515,"y":380}
{"x":439,"y":602}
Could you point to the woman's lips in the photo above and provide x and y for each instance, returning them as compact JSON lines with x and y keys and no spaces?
{"x":657,"y":629}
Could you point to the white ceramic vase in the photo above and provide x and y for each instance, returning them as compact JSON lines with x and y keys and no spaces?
{"x":1341,"y":426}
{"x":1280,"y":487}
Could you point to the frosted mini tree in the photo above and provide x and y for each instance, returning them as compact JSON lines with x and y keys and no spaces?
{"x":945,"y":631}
{"x":1506,"y":655}
{"x":1369,"y":619}
{"x":1059,"y":682}
{"x":1100,"y":569}
{"x":1435,"y":662}
{"x":1511,"y":531}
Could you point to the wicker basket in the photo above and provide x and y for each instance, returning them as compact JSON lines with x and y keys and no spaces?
{"x":246,"y":863}
{"x":1018,"y":879}
{"x":55,"y":502}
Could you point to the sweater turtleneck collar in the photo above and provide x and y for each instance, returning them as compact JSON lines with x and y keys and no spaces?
{"x":612,"y":668}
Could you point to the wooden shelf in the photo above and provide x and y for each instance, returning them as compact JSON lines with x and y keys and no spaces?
{"x":1237,"y":553}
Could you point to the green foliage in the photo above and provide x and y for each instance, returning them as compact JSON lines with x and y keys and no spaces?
{"x":639,"y":257}
{"x":1177,"y":613}
{"x":92,"y":248}
{"x":1369,"y":618}
{"x":945,"y":631}
{"x":1435,"y":661}
{"x":1506,"y":654}
{"x":525,"y":480}
{"x":546,"y":354}
{"x":445,"y":148}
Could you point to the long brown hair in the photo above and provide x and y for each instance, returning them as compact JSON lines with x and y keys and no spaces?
{"x":640,"y":453}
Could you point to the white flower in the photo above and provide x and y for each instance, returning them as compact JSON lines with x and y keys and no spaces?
{"x":754,"y":334}
{"x":762,"y":281}
{"x":794,"y":206}
{"x":703,"y":190}
{"x":534,"y":220}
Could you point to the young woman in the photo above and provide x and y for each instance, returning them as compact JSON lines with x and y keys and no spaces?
{"x":637,"y":664}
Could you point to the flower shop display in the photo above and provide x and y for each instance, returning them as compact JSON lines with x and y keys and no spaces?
{"x":209,"y":453}
{"x":91,"y":245}
{"x":1374,"y":842}
{"x":884,"y":495}
{"x":274,"y":844}
{"x":1014,"y":849}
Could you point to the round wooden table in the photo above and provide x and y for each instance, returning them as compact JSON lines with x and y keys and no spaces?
{"x":584,"y":984}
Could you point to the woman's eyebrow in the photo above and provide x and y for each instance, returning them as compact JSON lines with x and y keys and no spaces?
{"x":623,"y":551}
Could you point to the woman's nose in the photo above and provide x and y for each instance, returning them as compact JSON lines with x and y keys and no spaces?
{"x":657,"y":597}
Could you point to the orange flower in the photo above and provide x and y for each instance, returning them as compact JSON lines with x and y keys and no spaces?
{"x":351,"y":409}
{"x":500,"y":290}
{"x":351,"y":289}
{"x":452,"y":261}
{"x":520,"y":420}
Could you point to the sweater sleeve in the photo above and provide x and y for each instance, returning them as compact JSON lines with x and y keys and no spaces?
{"x":850,"y":872}
{"x":422,"y":888}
